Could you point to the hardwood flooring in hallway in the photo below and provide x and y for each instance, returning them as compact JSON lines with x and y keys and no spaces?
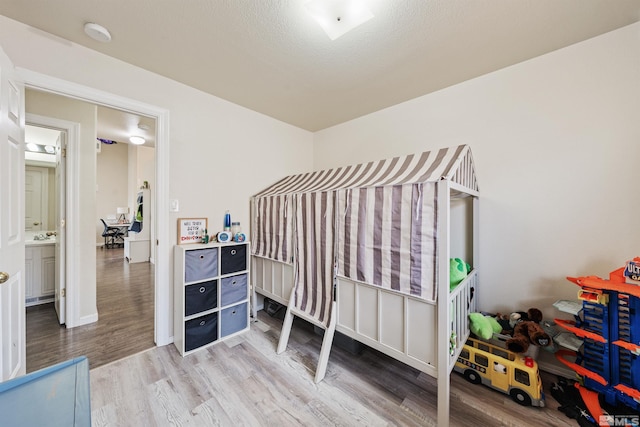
{"x":125,"y":299}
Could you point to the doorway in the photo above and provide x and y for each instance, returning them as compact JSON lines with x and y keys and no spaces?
{"x":114,"y":278}
{"x":44,"y":205}
{"x":160,"y":333}
{"x":163,"y":297}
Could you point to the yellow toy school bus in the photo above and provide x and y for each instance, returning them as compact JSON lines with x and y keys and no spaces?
{"x":502,"y":370}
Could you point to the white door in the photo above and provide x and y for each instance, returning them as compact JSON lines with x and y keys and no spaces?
{"x":35,"y":192}
{"x":12,"y":309}
{"x":61,"y":229}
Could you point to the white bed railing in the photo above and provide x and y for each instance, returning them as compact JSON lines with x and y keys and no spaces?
{"x":462,"y":300}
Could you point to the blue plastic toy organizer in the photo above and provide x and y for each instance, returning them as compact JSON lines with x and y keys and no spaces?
{"x":610,"y":327}
{"x":619,"y":366}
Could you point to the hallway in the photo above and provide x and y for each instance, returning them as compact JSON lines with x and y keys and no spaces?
{"x":125,"y":298}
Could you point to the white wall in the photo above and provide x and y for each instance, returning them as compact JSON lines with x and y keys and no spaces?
{"x":556,"y":142}
{"x":220,"y":153}
{"x":112,"y":179}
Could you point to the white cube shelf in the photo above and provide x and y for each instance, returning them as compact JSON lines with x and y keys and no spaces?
{"x":211,"y":294}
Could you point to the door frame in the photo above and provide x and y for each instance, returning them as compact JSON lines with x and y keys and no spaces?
{"x":163,"y":319}
{"x":72,"y":269}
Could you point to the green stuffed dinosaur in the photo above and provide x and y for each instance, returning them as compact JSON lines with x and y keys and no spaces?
{"x":458,"y":270}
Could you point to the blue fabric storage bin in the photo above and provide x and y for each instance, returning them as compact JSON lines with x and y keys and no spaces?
{"x":200,"y":297}
{"x":233,"y":289}
{"x":200,"y":264}
{"x":200,"y":331}
{"x":233,"y":319}
{"x":233,"y":258}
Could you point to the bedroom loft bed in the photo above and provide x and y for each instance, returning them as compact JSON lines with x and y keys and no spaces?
{"x":364,"y":250}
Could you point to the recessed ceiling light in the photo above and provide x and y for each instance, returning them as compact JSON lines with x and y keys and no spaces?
{"x":97,"y":32}
{"x":33,"y":147}
{"x":49,"y":149}
{"x":137,"y":140}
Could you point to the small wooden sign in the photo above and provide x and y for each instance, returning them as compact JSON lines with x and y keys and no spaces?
{"x":190,"y":230}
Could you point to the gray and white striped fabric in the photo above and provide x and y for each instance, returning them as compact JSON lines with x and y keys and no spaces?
{"x":273,"y":227}
{"x":384,"y":230}
{"x":313,"y":268}
{"x":386,"y":236}
{"x":414,"y":168}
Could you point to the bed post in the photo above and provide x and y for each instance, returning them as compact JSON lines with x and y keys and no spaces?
{"x":252,"y":286}
{"x":327,"y":340}
{"x":476,"y":248}
{"x":444,"y":308}
{"x":286,"y":324}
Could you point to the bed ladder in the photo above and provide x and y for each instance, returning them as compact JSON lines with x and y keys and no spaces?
{"x":327,"y":340}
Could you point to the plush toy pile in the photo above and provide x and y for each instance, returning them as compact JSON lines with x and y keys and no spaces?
{"x":526,"y":330}
{"x":523,"y":327}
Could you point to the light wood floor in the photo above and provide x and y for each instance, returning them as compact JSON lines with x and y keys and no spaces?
{"x":243,"y":382}
{"x":125,"y":296}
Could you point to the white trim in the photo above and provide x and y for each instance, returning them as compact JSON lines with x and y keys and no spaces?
{"x":72,"y":241}
{"x":163,"y":294}
{"x":443,"y":307}
{"x":85,"y":320}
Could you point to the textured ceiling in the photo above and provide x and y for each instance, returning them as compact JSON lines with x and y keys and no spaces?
{"x":271,"y":57}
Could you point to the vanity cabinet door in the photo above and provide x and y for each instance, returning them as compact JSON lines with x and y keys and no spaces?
{"x":28,"y":272}
{"x":48,"y":270}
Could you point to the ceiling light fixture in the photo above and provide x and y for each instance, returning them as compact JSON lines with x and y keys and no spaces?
{"x":97,"y":32}
{"x":49,"y":149}
{"x":337,"y":17}
{"x":137,"y":140}
{"x":31,"y":146}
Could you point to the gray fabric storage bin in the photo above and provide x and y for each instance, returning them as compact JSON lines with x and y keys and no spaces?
{"x":233,"y":319}
{"x":233,"y":289}
{"x":200,"y":297}
{"x":200,"y":264}
{"x":200,"y":331}
{"x":233,"y":258}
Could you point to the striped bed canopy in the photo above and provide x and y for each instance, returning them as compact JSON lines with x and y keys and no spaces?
{"x":372,"y":222}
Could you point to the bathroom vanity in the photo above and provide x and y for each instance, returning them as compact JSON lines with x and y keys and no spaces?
{"x":40,"y":269}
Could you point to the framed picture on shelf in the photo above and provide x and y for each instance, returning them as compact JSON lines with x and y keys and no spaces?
{"x":190,"y":230}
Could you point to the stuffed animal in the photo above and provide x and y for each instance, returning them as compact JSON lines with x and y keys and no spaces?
{"x":509,"y":322}
{"x":458,"y":270}
{"x":525,"y":333}
{"x":483,"y":326}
